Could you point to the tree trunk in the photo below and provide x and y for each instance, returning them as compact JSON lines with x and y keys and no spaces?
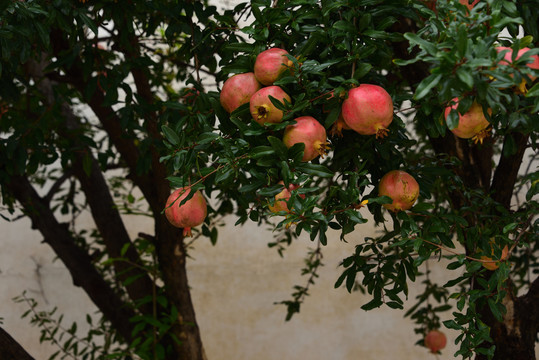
{"x":10,"y":349}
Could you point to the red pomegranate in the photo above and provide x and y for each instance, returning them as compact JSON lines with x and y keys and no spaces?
{"x":237,"y":90}
{"x":282,"y":197}
{"x":472,"y":125}
{"x":368,"y":110}
{"x":401,"y":187}
{"x":270,"y":64}
{"x":468,"y":5}
{"x":261,"y":107}
{"x":191,"y":213}
{"x":435,"y":340}
{"x":309,"y":131}
{"x":508,"y":57}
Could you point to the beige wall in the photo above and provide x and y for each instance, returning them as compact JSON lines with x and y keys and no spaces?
{"x":235,"y":285}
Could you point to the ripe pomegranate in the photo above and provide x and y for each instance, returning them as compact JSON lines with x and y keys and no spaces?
{"x":368,"y":110}
{"x":401,"y":187}
{"x":282,"y":197}
{"x":494,"y":265}
{"x":237,"y":90}
{"x":472,"y":125}
{"x":309,"y":131}
{"x":468,"y":5}
{"x":191,"y":213}
{"x":435,"y":340}
{"x":533,"y":64}
{"x":261,"y":107}
{"x":270,"y":64}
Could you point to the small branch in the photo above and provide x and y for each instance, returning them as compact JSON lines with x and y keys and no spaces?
{"x":57,"y":185}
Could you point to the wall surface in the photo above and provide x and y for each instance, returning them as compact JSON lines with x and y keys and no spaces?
{"x":235,"y":285}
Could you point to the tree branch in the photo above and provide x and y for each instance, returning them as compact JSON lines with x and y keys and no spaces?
{"x":77,"y":261}
{"x":506,"y":172}
{"x":11,"y":349}
{"x":102,"y":206}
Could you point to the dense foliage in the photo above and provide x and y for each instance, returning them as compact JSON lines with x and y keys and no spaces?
{"x":92,"y":86}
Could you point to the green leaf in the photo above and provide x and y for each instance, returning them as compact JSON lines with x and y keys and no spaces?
{"x":315,"y":169}
{"x":465,"y":76}
{"x":88,"y":22}
{"x":278,"y":146}
{"x":374,"y":303}
{"x":534,"y":91}
{"x":171,"y":135}
{"x":426,"y":85}
{"x":430,"y":48}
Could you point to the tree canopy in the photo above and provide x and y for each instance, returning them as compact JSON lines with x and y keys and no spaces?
{"x":93,"y":88}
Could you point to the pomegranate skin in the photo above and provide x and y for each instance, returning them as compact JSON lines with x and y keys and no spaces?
{"x":261,"y":107}
{"x":237,"y":90}
{"x":368,"y":110}
{"x":270,"y":64}
{"x":192,"y":213}
{"x":508,"y":55}
{"x":435,"y":340}
{"x":282,"y":197}
{"x":472,"y":125}
{"x":401,"y":187}
{"x":468,"y":5}
{"x":309,"y":131}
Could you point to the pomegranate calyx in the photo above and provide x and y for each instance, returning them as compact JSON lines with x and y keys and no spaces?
{"x":480,"y":136}
{"x":321,"y":147}
{"x":187,"y":232}
{"x":381,"y":133}
{"x":262,"y":111}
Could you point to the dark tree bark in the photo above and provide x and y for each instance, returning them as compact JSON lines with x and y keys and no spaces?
{"x":76,"y":259}
{"x":10,"y":349}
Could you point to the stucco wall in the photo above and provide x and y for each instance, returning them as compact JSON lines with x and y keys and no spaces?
{"x":234,"y":285}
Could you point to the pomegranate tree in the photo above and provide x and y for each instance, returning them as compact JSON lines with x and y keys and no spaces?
{"x":309,"y":131}
{"x":368,"y":110}
{"x":261,"y":107}
{"x":189,"y":214}
{"x":270,"y":64}
{"x":401,"y":187}
{"x":472,"y":125}
{"x":435,"y":341}
{"x":237,"y":90}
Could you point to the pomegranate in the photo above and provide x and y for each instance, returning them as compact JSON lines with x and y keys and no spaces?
{"x":270,"y":64}
{"x":309,"y":131}
{"x":282,"y":197}
{"x":533,"y":64}
{"x":435,"y":340}
{"x":494,"y":265}
{"x":401,"y":187}
{"x":261,"y":107}
{"x":368,"y":110}
{"x":191,"y":213}
{"x":237,"y":90}
{"x":468,"y":5}
{"x":472,"y":125}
